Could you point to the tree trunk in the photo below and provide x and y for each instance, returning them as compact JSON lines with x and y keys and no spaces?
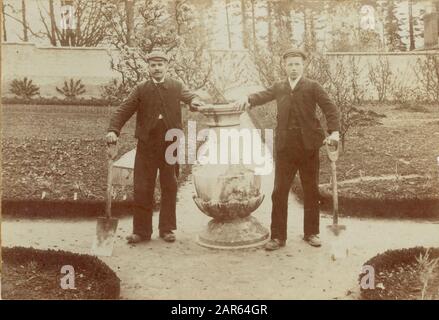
{"x":245,"y":37}
{"x":129,"y":7}
{"x":253,"y":23}
{"x":229,"y":36}
{"x":23,"y":18}
{"x":52,"y":24}
{"x":411,"y":32}
{"x":5,"y":37}
{"x":270,"y":26}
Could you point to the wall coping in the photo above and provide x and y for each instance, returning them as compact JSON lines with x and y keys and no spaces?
{"x":57,"y":48}
{"x":379,"y":53}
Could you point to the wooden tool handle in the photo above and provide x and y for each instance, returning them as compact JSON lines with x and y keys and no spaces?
{"x":332,"y":153}
{"x":334,"y":193}
{"x":111,"y":153}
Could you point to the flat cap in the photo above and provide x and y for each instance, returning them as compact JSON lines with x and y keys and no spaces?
{"x":293,"y":52}
{"x":157,"y":55}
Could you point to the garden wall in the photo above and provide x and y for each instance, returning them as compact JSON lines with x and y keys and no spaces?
{"x":48,"y":67}
{"x":402,"y":66}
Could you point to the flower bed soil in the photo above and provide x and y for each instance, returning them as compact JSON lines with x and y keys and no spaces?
{"x":383,"y":199}
{"x":406,"y":144}
{"x":32,"y":274}
{"x":398,"y":276}
{"x":57,"y":154}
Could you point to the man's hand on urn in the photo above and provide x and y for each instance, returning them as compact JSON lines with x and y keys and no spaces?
{"x":242,"y":104}
{"x":111,"y":137}
{"x":333,"y":138}
{"x":196,"y":103}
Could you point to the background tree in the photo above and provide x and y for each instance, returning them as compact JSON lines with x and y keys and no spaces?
{"x":392,"y":27}
{"x":24,"y":20}
{"x":5,"y":37}
{"x":168,"y":26}
{"x":90,"y":29}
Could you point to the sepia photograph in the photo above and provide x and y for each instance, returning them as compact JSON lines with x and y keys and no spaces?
{"x":219,"y":150}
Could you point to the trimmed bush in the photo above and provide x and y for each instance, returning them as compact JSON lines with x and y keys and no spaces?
{"x":393,"y":262}
{"x":51,"y":261}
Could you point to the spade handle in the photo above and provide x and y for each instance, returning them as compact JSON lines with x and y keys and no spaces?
{"x":111,"y":152}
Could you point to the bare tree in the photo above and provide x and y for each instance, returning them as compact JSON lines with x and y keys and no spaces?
{"x":129,"y":8}
{"x":255,"y":45}
{"x":381,"y":77}
{"x":170,"y":26}
{"x":90,"y":28}
{"x":245,"y":35}
{"x":5,"y":37}
{"x":23,"y":18}
{"x":52,"y":34}
{"x":229,"y":35}
{"x":411,"y":29}
{"x":12,"y":14}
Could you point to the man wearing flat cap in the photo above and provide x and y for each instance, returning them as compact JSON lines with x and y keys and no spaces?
{"x":299,"y":136}
{"x":156,"y":103}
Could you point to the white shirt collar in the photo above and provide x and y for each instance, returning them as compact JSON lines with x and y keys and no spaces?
{"x":156,"y":82}
{"x":294,"y":83}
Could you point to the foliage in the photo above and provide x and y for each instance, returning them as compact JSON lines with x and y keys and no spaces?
{"x":55,"y":101}
{"x":381,"y":77}
{"x":72,"y":89}
{"x":399,"y":273}
{"x":114,"y":92}
{"x":427,"y":74}
{"x":167,"y":26}
{"x":99,"y":280}
{"x":343,"y":87}
{"x":231,"y":72}
{"x":392,"y":27}
{"x":427,"y":267}
{"x":24,"y":88}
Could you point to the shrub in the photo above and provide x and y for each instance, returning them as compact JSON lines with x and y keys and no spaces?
{"x":55,"y":101}
{"x":381,"y":77}
{"x":427,"y":74}
{"x":115,"y":92}
{"x":71,"y":90}
{"x":24,"y":88}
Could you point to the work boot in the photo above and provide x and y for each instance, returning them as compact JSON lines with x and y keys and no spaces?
{"x":168,"y":236}
{"x":274,"y":244}
{"x":313,"y":240}
{"x":136,"y":238}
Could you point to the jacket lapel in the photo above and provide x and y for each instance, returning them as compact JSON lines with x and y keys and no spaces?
{"x":299,"y":84}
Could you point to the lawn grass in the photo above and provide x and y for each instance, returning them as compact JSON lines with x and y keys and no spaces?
{"x":406,"y":143}
{"x":57,"y":151}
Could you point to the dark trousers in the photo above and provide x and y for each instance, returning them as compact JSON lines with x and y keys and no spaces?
{"x":292,"y":158}
{"x":150,"y":158}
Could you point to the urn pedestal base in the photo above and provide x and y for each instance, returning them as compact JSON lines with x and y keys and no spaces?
{"x":233,"y":234}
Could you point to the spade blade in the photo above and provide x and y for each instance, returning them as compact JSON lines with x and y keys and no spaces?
{"x":105,"y":236}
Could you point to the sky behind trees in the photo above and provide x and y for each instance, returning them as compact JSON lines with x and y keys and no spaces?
{"x":331,"y":25}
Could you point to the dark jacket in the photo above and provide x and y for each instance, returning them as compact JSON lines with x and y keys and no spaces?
{"x":145,"y":100}
{"x":305,"y":96}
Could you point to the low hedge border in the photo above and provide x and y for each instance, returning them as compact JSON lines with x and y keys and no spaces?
{"x":63,"y":208}
{"x":92,"y":102}
{"x":422,"y":208}
{"x":390,"y":260}
{"x":110,"y":283}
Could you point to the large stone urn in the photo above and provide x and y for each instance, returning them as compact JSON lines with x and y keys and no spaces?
{"x":227,"y":192}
